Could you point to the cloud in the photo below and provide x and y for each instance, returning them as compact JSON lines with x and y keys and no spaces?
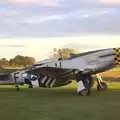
{"x":15,"y":45}
{"x":69,"y":24}
{"x":29,"y":18}
{"x":42,"y":2}
{"x":110,"y":1}
{"x":40,"y":19}
{"x":9,"y":13}
{"x":82,"y":46}
{"x":79,"y":14}
{"x":78,"y":22}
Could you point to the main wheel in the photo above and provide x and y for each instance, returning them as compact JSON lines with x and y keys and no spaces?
{"x":88,"y":85}
{"x":85,"y":92}
{"x":30,"y":86}
{"x":102,"y":87}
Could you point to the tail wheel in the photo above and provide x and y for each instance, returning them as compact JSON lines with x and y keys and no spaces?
{"x":102,"y":86}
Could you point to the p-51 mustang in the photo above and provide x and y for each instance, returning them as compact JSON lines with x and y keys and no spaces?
{"x":79,"y":67}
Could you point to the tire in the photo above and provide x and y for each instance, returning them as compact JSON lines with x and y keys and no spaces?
{"x":84,"y":92}
{"x":87,"y":81}
{"x":30,"y":86}
{"x":103,"y":88}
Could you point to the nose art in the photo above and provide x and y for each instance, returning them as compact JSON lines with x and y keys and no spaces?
{"x":117,"y":55}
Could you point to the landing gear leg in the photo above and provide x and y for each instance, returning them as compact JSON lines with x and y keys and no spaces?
{"x":83,"y":84}
{"x":101,"y":86}
{"x":81,"y":90}
{"x":16,"y":84}
{"x":30,"y":85}
{"x":17,"y":88}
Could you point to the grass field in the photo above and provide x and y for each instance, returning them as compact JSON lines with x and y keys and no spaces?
{"x":59,"y":104}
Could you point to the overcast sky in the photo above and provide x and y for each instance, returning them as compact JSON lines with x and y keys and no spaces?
{"x":67,"y":22}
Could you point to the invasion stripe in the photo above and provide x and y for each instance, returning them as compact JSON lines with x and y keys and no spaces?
{"x":48,"y":81}
{"x":53,"y":82}
{"x":43,"y":80}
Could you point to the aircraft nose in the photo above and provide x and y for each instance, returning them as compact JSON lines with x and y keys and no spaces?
{"x":117,"y":55}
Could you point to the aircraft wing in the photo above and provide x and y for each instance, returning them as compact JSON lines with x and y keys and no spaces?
{"x":59,"y":76}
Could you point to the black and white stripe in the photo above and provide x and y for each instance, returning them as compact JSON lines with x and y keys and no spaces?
{"x":48,"y":81}
{"x":43,"y":79}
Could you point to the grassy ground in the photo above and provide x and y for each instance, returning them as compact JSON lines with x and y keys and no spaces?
{"x":59,"y":104}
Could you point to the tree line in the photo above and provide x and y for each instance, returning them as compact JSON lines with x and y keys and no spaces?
{"x":17,"y":61}
{"x":25,"y":61}
{"x":63,"y":53}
